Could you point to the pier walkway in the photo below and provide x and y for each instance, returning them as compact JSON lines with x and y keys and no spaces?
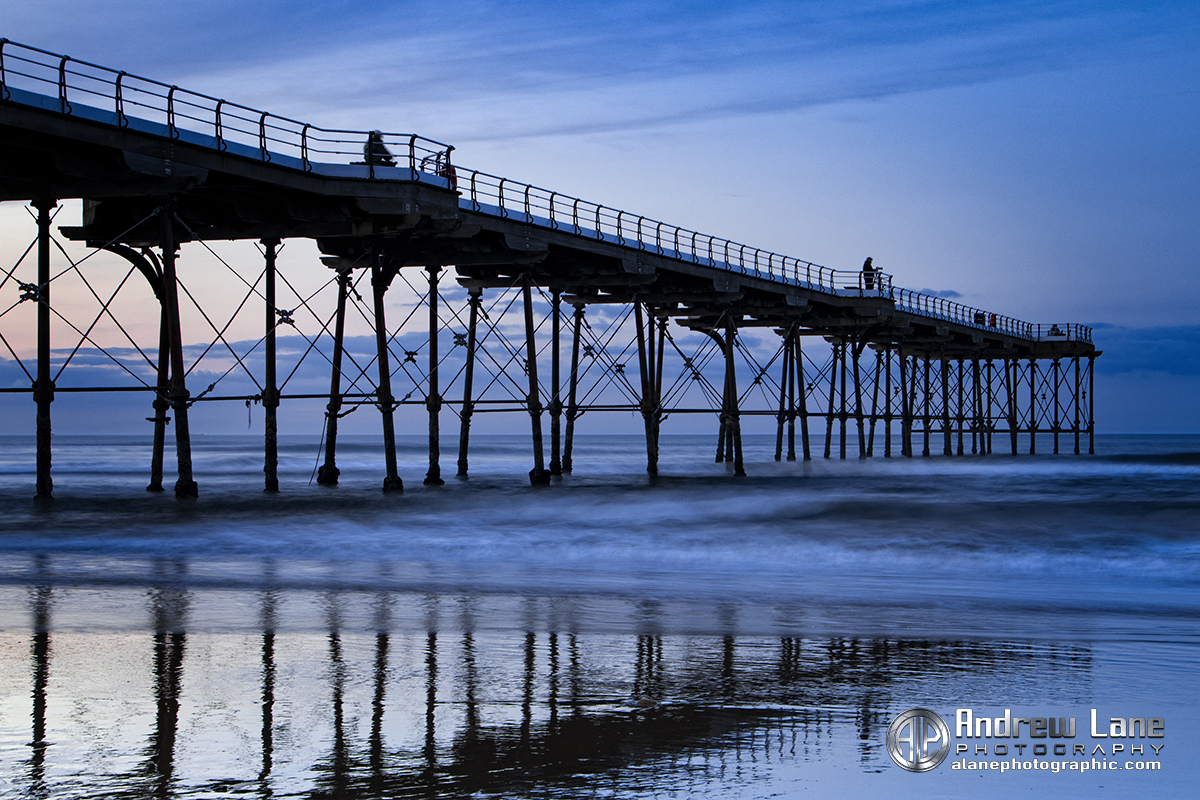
{"x":158,"y":166}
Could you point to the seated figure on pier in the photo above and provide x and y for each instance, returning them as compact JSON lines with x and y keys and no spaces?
{"x":376,"y":152}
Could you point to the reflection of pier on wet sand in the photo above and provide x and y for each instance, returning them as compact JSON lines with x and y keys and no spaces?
{"x":364,"y":707}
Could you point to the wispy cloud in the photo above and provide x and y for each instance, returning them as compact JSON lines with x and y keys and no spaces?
{"x":492,"y":70}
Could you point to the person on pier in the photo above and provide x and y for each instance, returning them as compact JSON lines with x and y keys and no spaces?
{"x":868,"y":272}
{"x":376,"y":152}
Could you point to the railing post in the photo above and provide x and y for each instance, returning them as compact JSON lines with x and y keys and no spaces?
{"x":63,"y":105}
{"x":119,"y":101}
{"x":4,"y":92}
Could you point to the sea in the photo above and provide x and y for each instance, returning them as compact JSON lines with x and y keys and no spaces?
{"x":611,"y":635}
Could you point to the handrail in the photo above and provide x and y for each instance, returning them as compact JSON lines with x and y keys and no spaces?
{"x":247,"y":132}
{"x":180,"y":111}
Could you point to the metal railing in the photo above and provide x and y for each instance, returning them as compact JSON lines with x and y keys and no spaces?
{"x":82,"y":89}
{"x":29,"y":74}
{"x":486,"y":193}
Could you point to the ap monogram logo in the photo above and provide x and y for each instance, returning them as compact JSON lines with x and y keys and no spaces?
{"x":918,"y":740}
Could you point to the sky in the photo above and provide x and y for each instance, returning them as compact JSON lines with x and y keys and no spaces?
{"x":1038,"y":158}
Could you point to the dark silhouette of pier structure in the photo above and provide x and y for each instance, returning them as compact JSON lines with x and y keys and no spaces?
{"x":591,"y":706}
{"x":158,"y":166}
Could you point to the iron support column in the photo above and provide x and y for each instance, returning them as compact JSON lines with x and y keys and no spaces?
{"x":1011,"y":367}
{"x":961,"y":416}
{"x":947,"y":431}
{"x":1091,"y":405}
{"x":906,"y":398}
{"x":658,"y":374}
{"x":387,"y":403}
{"x":927,"y":418}
{"x":43,"y":387}
{"x":185,"y":486}
{"x":645,"y":364}
{"x":735,"y":426}
{"x":327,"y":475}
{"x":1055,"y":420}
{"x":977,"y":426}
{"x":855,"y":353}
{"x":887,"y":402}
{"x":1033,"y":415}
{"x":538,"y":475}
{"x":843,"y":404}
{"x":270,"y":393}
{"x":802,"y":389}
{"x":781,"y":417}
{"x":833,"y":370}
{"x":572,"y":387}
{"x":434,"y":401}
{"x":474,"y":299}
{"x":556,"y":407}
{"x":1075,"y":422}
{"x":874,"y":404}
{"x":986,"y":412}
{"x":161,"y":403}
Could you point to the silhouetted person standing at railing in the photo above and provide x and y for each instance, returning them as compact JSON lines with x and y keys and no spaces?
{"x":868,"y":272}
{"x":376,"y":152}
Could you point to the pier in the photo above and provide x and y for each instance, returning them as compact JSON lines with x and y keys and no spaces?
{"x":527,"y":300}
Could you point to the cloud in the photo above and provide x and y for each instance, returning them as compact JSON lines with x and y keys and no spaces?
{"x":492,"y":70}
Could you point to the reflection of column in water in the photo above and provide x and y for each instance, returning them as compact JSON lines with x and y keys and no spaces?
{"x":431,"y":671}
{"x":338,"y":674}
{"x":647,"y":681}
{"x":728,"y":681}
{"x":168,"y":674}
{"x":269,"y":602}
{"x":381,"y":663}
{"x":573,"y":647}
{"x":383,"y":618}
{"x":527,"y":697}
{"x":552,"y":729}
{"x":41,"y":677}
{"x":789,"y":659}
{"x":169,"y":607}
{"x":470,"y":680}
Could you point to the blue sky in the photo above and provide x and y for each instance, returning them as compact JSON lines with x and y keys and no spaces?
{"x":1041,"y":158}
